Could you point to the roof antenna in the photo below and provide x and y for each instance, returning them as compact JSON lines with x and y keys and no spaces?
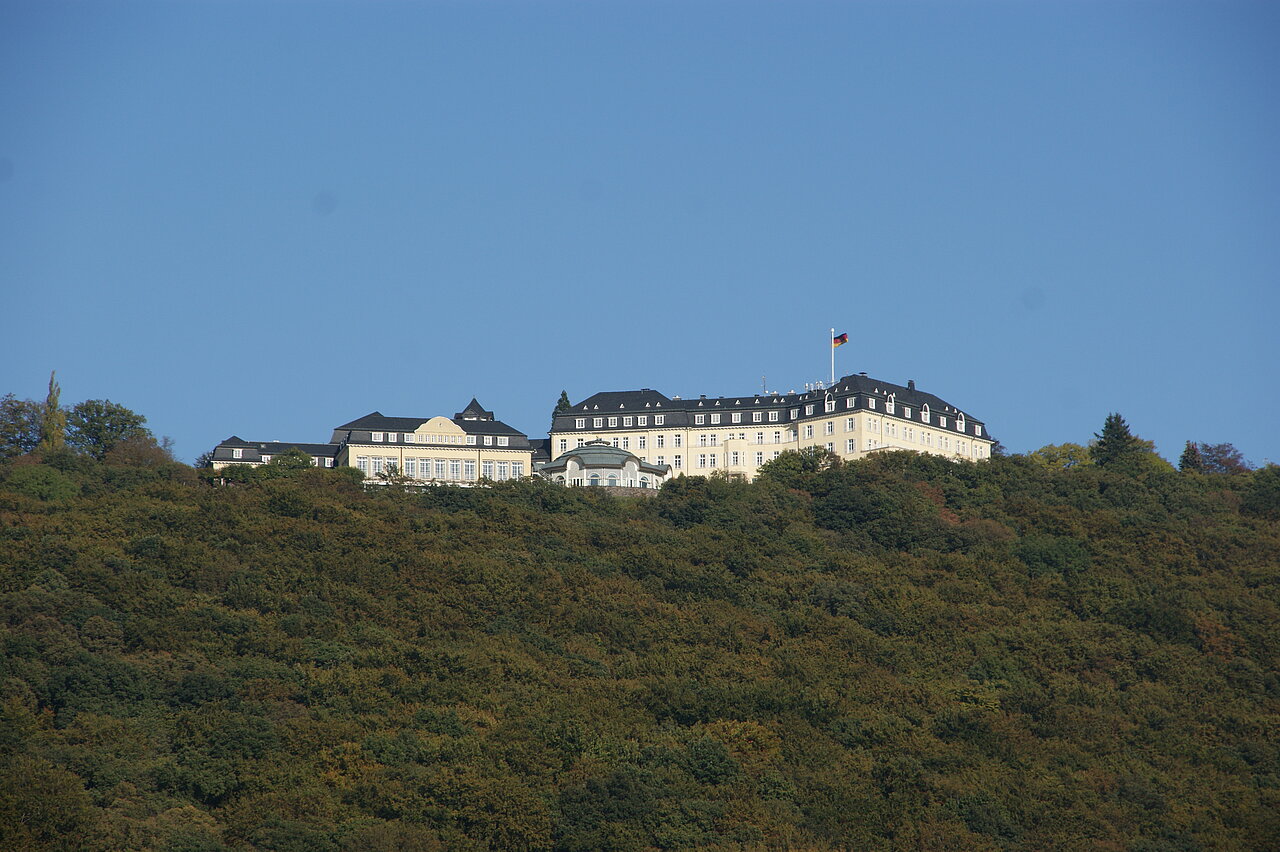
{"x":764,"y":385}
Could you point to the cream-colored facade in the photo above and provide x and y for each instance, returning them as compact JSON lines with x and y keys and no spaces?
{"x":438,"y":451}
{"x":738,"y":435}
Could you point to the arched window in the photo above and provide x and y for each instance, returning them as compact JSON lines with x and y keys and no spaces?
{"x":613,"y":480}
{"x":560,"y":479}
{"x":594,"y":479}
{"x":890,"y":403}
{"x":924,"y":413}
{"x":644,"y":482}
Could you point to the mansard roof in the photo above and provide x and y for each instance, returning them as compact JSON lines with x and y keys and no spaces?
{"x":276,"y":447}
{"x":379,"y":422}
{"x":631,"y":401}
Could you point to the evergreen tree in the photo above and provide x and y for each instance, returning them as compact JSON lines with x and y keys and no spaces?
{"x":53,"y":418}
{"x":563,"y":404}
{"x":1191,"y":460}
{"x":1115,"y":443}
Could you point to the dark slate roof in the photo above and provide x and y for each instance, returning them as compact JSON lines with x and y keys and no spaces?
{"x":679,"y":411}
{"x":473,"y":411}
{"x":643,"y":401}
{"x":541,"y":449}
{"x":378,"y":422}
{"x":272,"y":448}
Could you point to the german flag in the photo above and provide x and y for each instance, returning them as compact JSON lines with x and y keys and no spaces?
{"x":839,"y":340}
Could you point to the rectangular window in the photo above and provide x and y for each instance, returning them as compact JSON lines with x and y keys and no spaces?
{"x":662,"y":459}
{"x":469,"y":470}
{"x":581,"y":441}
{"x":677,"y":440}
{"x":829,"y":428}
{"x":580,"y":423}
{"x":942,"y":420}
{"x":626,"y":442}
{"x":702,"y":459}
{"x":906,"y":411}
{"x":848,"y":403}
{"x":850,"y":445}
{"x":410,"y":438}
{"x":377,"y":464}
{"x":773,"y":417}
{"x":795,"y":412}
{"x":486,"y":469}
{"x":597,"y":422}
{"x":642,"y":420}
{"x":613,"y":421}
{"x":830,"y":406}
{"x":759,"y":437}
{"x":757,"y":416}
{"x":924,"y":416}
{"x":776,"y":454}
{"x":517,"y":470}
{"x":442,"y":468}
{"x":777,"y":437}
{"x":615,"y":442}
{"x":411,"y":468}
{"x":699,"y":419}
{"x":977,"y":430}
{"x":376,"y":436}
{"x":237,"y":453}
{"x":642,"y":443}
{"x":677,"y":462}
{"x":564,"y":445}
{"x":759,"y":459}
{"x":831,"y":448}
{"x":626,"y":421}
{"x":737,"y":417}
{"x":488,"y":440}
{"x":715,"y":440}
{"x":889,"y":406}
{"x":733,"y":459}
{"x":702,"y":440}
{"x":871,"y":403}
{"x":660,"y":441}
{"x":808,"y":431}
{"x":266,"y":459}
{"x":471,"y":440}
{"x":455,"y":469}
{"x":659,"y":419}
{"x":328,"y":462}
{"x":808,"y":409}
{"x":503,"y":440}
{"x":362,"y":462}
{"x":711,"y":460}
{"x":715,"y":418}
{"x":504,"y":470}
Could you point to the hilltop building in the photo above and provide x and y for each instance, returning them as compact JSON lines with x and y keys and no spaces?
{"x":471,"y":445}
{"x":855,"y":416}
{"x":656,"y":436}
{"x":601,"y":463}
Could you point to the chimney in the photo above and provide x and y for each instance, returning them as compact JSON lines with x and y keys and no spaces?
{"x":911,"y":384}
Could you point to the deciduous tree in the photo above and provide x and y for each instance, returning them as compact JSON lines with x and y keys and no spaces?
{"x":97,"y":425}
{"x":19,"y":426}
{"x":53,"y":419}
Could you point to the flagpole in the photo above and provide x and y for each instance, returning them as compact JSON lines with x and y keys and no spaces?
{"x":833,"y":357}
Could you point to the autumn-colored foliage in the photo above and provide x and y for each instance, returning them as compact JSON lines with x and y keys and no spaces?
{"x":897,"y":653}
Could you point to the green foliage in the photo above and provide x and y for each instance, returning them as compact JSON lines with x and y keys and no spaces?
{"x":19,"y":426}
{"x":563,"y":404}
{"x":901,"y":652}
{"x":41,"y":482}
{"x":1061,"y":456}
{"x":53,"y":419}
{"x":795,"y":468}
{"x":95,"y":426}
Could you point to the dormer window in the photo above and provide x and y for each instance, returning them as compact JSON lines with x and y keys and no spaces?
{"x":659,"y":419}
{"x":471,"y":440}
{"x":906,"y":411}
{"x":642,"y":420}
{"x":266,"y":458}
{"x":830,"y":404}
{"x":580,"y":423}
{"x":613,"y":421}
{"x":699,"y":419}
{"x":960,"y":424}
{"x":597,"y":422}
{"x":715,"y":418}
{"x":942,"y":420}
{"x":924,"y":413}
{"x":375,"y":436}
{"x":237,"y":453}
{"x":890,"y":404}
{"x":627,"y":421}
{"x":871,"y":403}
{"x":502,"y":440}
{"x":808,"y":409}
{"x":488,"y":440}
{"x":977,"y":429}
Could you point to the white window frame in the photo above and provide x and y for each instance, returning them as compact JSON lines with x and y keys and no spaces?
{"x":659,"y":419}
{"x":237,"y":453}
{"x":579,"y":422}
{"x":375,"y":436}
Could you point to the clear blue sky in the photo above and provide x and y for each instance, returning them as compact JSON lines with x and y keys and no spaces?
{"x":270,"y":218}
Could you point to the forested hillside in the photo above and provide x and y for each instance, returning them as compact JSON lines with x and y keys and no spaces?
{"x":898,"y":653}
